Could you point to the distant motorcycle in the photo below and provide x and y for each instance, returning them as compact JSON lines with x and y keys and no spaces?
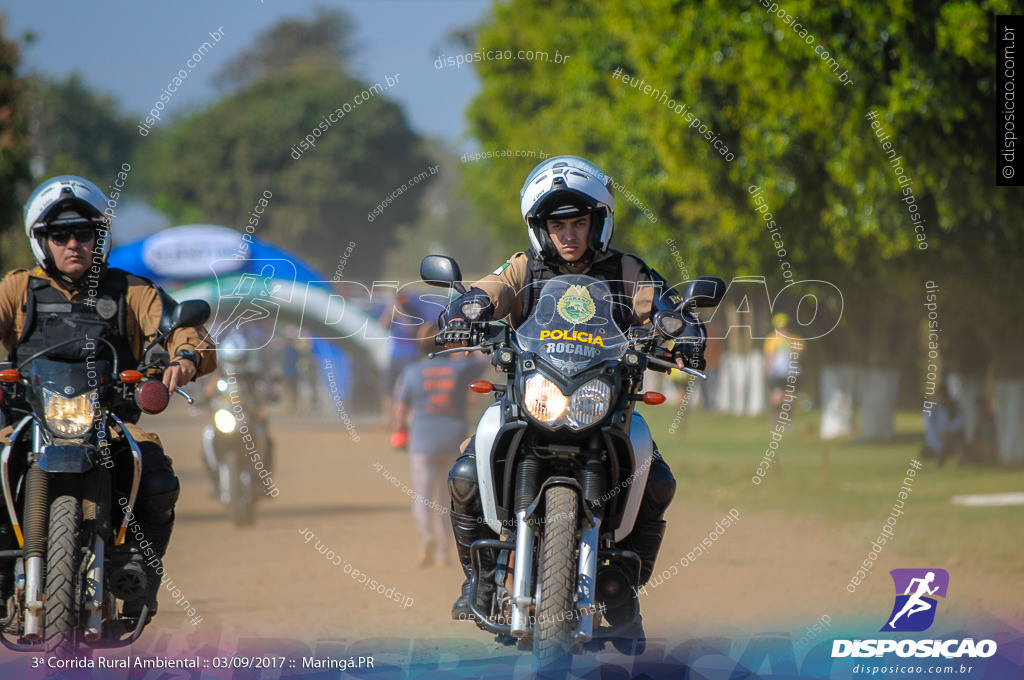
{"x":236,"y":441}
{"x":563,"y":458}
{"x":61,"y":479}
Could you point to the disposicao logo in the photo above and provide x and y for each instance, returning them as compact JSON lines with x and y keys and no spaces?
{"x":913,"y":612}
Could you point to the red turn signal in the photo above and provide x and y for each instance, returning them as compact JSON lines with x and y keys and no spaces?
{"x":482,"y":386}
{"x":131,"y":377}
{"x":10,"y":375}
{"x":152,"y":396}
{"x":654,"y":398}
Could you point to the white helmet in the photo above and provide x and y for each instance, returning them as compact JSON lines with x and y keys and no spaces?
{"x":64,"y":200}
{"x":567,"y":186}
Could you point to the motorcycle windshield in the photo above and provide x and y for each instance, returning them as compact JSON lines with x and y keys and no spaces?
{"x":68,"y":379}
{"x":572,"y":326}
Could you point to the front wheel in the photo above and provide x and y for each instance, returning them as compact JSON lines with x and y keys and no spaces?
{"x":243,"y":500}
{"x":556,"y":574}
{"x":63,"y":559}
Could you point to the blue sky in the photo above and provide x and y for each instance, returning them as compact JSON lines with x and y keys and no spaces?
{"x":131,"y":50}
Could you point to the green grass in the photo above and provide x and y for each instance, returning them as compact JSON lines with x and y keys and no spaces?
{"x":714,"y":456}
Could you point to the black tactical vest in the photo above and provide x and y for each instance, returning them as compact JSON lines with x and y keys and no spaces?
{"x":50,"y":318}
{"x":608,"y":270}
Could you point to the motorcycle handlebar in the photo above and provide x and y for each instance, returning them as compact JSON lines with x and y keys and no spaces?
{"x":479,"y":335}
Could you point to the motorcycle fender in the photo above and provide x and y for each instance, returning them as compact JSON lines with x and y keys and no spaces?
{"x":5,"y":477}
{"x":71,"y":459}
{"x":487,"y":434}
{"x":224,"y":444}
{"x":643,"y":456}
{"x":536,"y":509}
{"x":136,"y":477}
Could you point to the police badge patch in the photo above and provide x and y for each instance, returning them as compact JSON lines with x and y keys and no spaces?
{"x":106,"y":307}
{"x":576,"y":305}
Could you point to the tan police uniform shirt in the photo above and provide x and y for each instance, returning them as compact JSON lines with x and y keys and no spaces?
{"x":506,"y":286}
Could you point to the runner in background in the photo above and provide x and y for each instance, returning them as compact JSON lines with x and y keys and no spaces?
{"x":431,"y":398}
{"x":402,"y":351}
{"x":777,"y":351}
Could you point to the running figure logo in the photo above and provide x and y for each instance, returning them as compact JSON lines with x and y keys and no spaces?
{"x":251,"y":298}
{"x":914,"y":610}
{"x":253,"y":301}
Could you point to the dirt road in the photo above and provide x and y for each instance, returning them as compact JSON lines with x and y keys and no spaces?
{"x":269,"y":590}
{"x":765,"y":573}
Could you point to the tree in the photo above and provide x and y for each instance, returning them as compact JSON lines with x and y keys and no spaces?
{"x":14,"y":150}
{"x":325,"y":39}
{"x":78,"y":131}
{"x":328,"y":148}
{"x":796,"y":123}
{"x":446,"y":226}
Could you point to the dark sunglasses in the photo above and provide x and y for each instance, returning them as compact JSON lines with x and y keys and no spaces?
{"x":61,"y":235}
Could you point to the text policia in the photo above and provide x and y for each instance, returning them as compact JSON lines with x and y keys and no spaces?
{"x":310,"y":140}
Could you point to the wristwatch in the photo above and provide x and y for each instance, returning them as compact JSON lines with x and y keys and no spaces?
{"x":188,"y":354}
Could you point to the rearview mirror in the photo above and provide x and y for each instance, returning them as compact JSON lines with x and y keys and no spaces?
{"x":190,"y":313}
{"x":669,"y":324}
{"x":441,"y":270}
{"x":704,"y":291}
{"x":168,"y":305}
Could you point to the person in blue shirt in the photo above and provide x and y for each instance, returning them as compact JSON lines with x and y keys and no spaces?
{"x":944,"y":429}
{"x":431,"y":398}
{"x":402,"y":350}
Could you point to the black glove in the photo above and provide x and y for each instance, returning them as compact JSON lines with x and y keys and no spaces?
{"x":455,"y":331}
{"x":692,"y":354}
{"x":474,"y":295}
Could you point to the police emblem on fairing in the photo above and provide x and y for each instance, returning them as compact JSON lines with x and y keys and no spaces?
{"x":569,"y":366}
{"x":576,"y":305}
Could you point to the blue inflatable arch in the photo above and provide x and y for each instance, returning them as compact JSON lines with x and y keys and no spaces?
{"x":235,"y":271}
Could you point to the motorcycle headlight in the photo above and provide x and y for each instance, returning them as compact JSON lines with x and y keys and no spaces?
{"x":224,"y":420}
{"x":69,"y":417}
{"x":543,"y":400}
{"x":589,"y":404}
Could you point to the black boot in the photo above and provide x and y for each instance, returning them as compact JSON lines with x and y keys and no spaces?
{"x":468,"y":529}
{"x":159,"y":536}
{"x":645,"y":540}
{"x":649,"y":527}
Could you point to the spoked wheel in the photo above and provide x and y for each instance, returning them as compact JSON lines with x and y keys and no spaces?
{"x":556,"y":576}
{"x":63,"y":562}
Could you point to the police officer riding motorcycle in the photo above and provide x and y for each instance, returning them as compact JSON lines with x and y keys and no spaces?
{"x":75,"y":314}
{"x":568,"y":207}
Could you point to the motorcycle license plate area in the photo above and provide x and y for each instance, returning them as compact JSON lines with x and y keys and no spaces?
{"x":73,"y":459}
